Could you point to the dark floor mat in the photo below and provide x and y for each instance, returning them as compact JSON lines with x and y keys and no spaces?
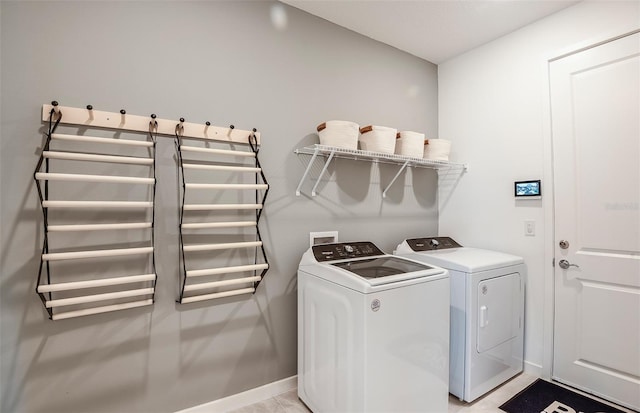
{"x":545,"y":397}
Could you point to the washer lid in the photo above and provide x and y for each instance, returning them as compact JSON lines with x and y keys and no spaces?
{"x":463,"y":259}
{"x":365,"y":270}
{"x":379,"y":267}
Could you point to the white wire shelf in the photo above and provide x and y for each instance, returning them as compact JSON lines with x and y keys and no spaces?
{"x":331,"y":152}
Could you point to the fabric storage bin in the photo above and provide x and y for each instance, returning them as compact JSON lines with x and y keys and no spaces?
{"x":378,"y":139}
{"x":437,"y":149}
{"x":339,"y":134}
{"x":410,"y":144}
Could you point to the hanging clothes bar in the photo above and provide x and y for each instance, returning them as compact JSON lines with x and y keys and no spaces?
{"x":214,"y":207}
{"x":41,"y":176}
{"x":98,"y":297}
{"x":226,"y":270}
{"x":221,"y":167}
{"x":99,"y":310}
{"x":98,"y":227}
{"x":78,"y":285}
{"x":213,"y":296}
{"x":97,"y":204}
{"x":226,"y":186}
{"x":223,"y":246}
{"x":110,"y":141}
{"x":77,"y":156}
{"x":223,"y":283}
{"x":229,"y":224}
{"x":217,"y":151}
{"x":74,"y":255}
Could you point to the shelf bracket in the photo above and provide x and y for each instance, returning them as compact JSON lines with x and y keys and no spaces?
{"x":306,"y":172}
{"x":402,"y":168}
{"x":324,"y":169}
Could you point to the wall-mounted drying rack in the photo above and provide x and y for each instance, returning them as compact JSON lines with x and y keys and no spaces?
{"x":85,"y":290}
{"x":79,"y":280}
{"x":222,"y":280}
{"x":330,"y":152}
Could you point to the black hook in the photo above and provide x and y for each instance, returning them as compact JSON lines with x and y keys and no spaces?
{"x":122,"y":111}
{"x":255,"y":130}
{"x":181,"y":120}
{"x":89,"y":107}
{"x":207,"y":123}
{"x":231,"y":127}
{"x":153,"y":116}
{"x":55,"y":107}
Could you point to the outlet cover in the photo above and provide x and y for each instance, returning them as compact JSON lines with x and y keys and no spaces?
{"x":325,"y":237}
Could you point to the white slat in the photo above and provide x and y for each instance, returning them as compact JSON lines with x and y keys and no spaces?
{"x":222,"y":246}
{"x":213,"y":207}
{"x":73,"y":255}
{"x":97,"y":204}
{"x":228,"y":224}
{"x":223,"y":283}
{"x":45,"y":176}
{"x":223,"y":294}
{"x":221,"y":167}
{"x":217,"y":151}
{"x":92,"y":139}
{"x":78,"y":285}
{"x":97,"y":227}
{"x":97,"y":297}
{"x":226,"y":186}
{"x":98,"y":310}
{"x":226,"y":270}
{"x":75,"y":156}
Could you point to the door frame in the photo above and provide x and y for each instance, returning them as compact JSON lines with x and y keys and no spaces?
{"x":548,"y":199}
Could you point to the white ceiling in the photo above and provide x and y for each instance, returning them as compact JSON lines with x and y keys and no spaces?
{"x":434,"y":30}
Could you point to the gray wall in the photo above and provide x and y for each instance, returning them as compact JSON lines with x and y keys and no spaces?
{"x":218,"y":61}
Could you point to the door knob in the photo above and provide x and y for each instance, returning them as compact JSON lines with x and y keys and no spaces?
{"x":564,"y":264}
{"x":564,"y":244}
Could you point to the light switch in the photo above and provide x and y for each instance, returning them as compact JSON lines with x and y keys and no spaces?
{"x":530,"y":228}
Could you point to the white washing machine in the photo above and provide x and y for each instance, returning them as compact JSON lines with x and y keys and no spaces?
{"x":373,"y":331}
{"x":487,"y":312}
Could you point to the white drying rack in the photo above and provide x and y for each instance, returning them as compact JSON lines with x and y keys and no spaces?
{"x":113,"y":293}
{"x":191,"y":290}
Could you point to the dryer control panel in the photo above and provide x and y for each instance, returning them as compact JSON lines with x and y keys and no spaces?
{"x":432,"y":243}
{"x":344,"y":250}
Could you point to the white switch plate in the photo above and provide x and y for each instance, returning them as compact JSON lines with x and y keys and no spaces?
{"x":324,"y":237}
{"x":530,"y":228}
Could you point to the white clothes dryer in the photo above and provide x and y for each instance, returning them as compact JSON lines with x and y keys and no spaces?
{"x":487,"y":312}
{"x":373,"y":331}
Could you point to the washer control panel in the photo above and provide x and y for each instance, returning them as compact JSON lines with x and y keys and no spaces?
{"x":344,"y":250}
{"x":432,"y":243}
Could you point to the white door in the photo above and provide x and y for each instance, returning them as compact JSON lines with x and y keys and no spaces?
{"x":595,"y":107}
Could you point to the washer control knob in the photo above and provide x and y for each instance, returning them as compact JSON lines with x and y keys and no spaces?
{"x":348,"y":248}
{"x":434,"y":243}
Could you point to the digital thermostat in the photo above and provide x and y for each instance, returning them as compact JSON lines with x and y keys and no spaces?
{"x":528,"y":189}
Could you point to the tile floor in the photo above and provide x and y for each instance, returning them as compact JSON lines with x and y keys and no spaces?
{"x":289,"y":403}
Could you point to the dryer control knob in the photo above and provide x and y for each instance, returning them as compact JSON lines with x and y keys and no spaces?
{"x":348,"y":248}
{"x":434,"y":243}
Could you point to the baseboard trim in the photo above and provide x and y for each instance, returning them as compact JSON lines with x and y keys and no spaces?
{"x":246,"y":398}
{"x":532,"y":369}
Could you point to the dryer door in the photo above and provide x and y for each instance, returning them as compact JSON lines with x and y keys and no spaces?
{"x":498,"y":311}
